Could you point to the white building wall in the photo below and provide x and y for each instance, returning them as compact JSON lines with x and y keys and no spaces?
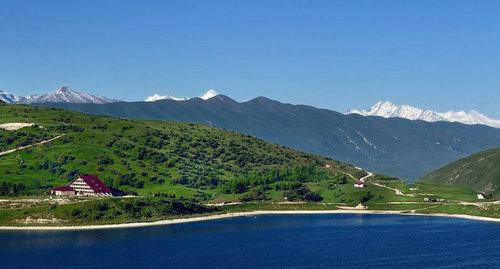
{"x":82,"y":188}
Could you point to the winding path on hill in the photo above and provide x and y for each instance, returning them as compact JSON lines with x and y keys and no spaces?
{"x":361,"y":178}
{"x":370,"y":174}
{"x":397,"y":191}
{"x":32,"y":145}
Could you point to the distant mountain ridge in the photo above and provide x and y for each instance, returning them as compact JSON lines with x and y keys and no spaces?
{"x":390,"y":110}
{"x":156,"y":97}
{"x":9,"y":98}
{"x":61,"y":95}
{"x":393,"y":146}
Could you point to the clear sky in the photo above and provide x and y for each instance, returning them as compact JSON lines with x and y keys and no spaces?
{"x":443,"y":55}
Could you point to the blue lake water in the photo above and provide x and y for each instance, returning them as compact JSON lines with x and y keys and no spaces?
{"x":267,"y":241}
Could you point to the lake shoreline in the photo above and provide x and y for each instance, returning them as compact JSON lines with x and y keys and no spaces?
{"x":234,"y":215}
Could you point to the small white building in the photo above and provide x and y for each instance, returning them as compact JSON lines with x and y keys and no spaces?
{"x":480,"y":196}
{"x":359,"y":184}
{"x":63,"y":191}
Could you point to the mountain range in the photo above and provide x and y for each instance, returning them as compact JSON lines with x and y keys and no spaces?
{"x":61,"y":95}
{"x":9,"y":98}
{"x":390,"y":110}
{"x":156,"y":97}
{"x":405,"y":148}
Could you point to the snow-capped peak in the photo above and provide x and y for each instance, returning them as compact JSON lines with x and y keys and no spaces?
{"x":156,"y":97}
{"x":67,"y":95}
{"x":390,"y":110}
{"x":7,"y":97}
{"x":12,"y":99}
{"x":209,"y":94}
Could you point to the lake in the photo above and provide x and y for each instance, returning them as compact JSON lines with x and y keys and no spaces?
{"x":267,"y":241}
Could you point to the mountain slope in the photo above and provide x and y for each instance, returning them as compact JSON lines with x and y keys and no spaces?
{"x":67,"y":95}
{"x":389,"y":110}
{"x":148,"y":156}
{"x":399,"y":147}
{"x":480,"y":172}
{"x":9,"y":98}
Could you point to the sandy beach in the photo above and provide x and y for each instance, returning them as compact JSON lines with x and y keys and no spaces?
{"x":233,"y":215}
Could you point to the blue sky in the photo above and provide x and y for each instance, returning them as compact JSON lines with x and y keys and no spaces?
{"x":443,"y":55}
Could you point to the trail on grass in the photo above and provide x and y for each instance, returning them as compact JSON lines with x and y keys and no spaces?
{"x":32,"y":145}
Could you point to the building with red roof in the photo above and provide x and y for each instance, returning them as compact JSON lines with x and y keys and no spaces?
{"x":359,"y":184}
{"x":84,"y":185}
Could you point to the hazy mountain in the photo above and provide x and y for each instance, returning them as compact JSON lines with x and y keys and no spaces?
{"x":480,"y":172}
{"x":394,"y":146}
{"x":390,"y":110}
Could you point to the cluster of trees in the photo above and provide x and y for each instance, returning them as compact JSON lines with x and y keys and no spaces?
{"x":105,"y":160}
{"x":23,"y":137}
{"x":65,"y":128}
{"x":137,"y":209}
{"x":129,"y":179}
{"x":200,"y":178}
{"x":365,"y":196}
{"x":254,"y":195}
{"x":302,"y":193}
{"x":284,"y":179}
{"x":152,"y":155}
{"x":13,"y":189}
{"x":56,"y":168}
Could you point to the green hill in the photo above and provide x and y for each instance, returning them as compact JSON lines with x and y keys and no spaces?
{"x":397,"y":147}
{"x":147,"y":157}
{"x":480,"y":172}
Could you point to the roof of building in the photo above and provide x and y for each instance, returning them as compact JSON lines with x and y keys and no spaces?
{"x":95,"y":183}
{"x":359,"y":182}
{"x":63,"y":188}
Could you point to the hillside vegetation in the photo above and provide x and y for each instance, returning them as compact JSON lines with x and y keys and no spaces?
{"x":480,"y":172}
{"x":397,"y":147}
{"x":151,"y":157}
{"x":179,"y":169}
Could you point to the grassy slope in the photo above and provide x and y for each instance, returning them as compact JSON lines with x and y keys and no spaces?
{"x":480,"y":172}
{"x":172,"y":149}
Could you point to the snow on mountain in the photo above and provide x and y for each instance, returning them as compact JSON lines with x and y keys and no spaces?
{"x":26,"y":98}
{"x":390,"y":110}
{"x":156,"y":97}
{"x":209,"y":94}
{"x":7,"y":97}
{"x":67,"y":95}
{"x":12,"y":99}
